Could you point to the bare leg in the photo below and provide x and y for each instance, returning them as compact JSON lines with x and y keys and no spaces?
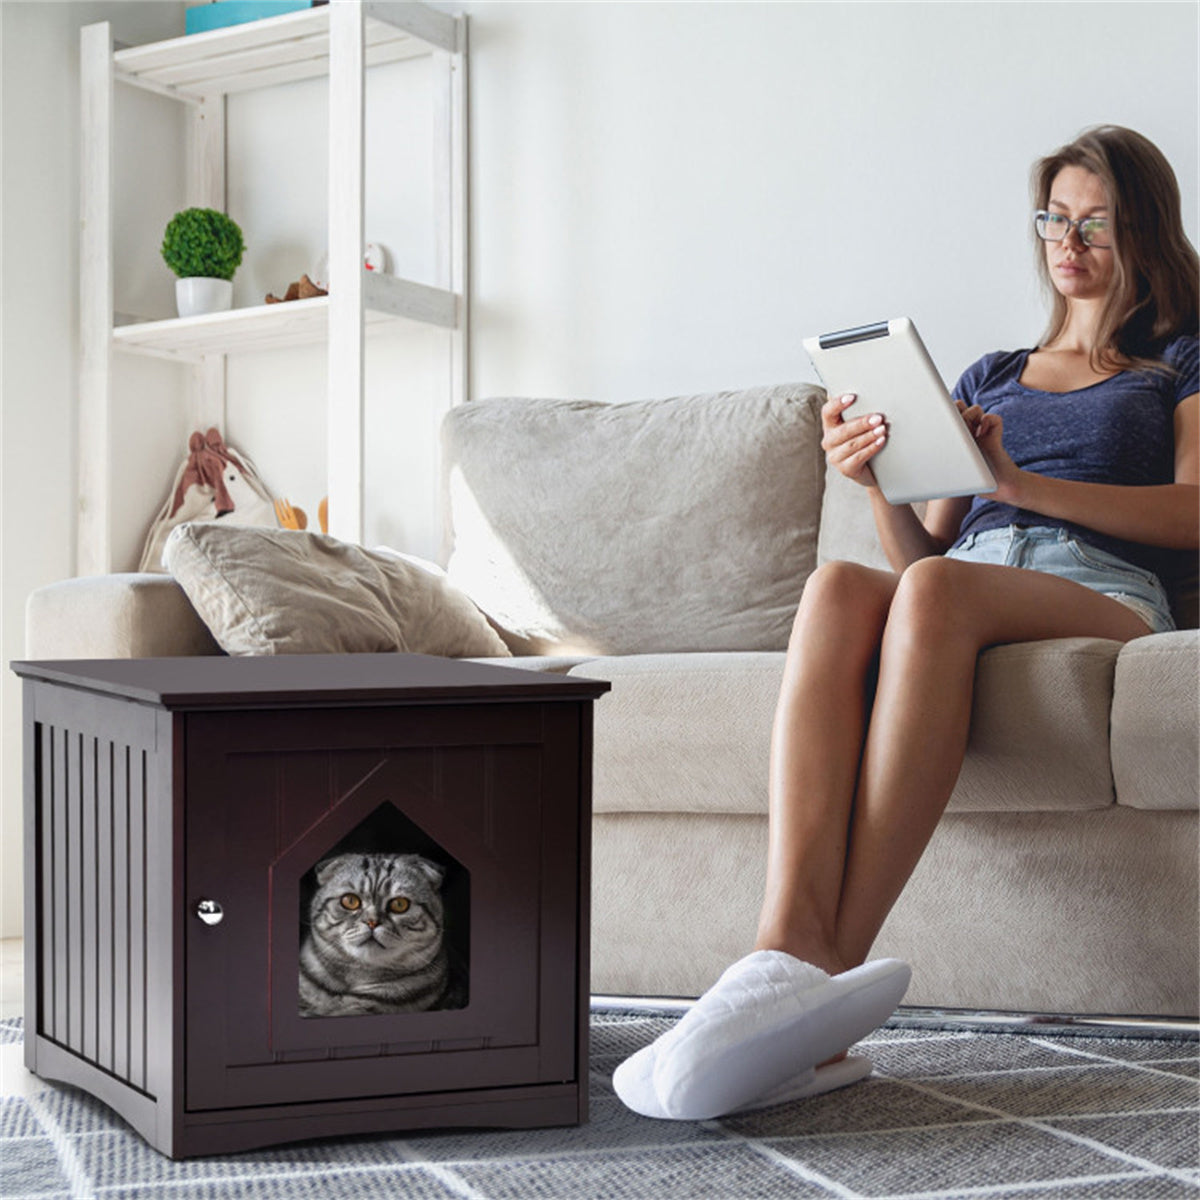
{"x":853,"y":805}
{"x":848,"y":821}
{"x":943,"y":614}
{"x":816,"y":745}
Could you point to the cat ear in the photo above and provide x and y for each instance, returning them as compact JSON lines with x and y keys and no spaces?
{"x":326,"y":868}
{"x":434,"y":873}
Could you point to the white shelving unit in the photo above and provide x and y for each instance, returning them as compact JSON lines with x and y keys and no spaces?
{"x":341,"y":40}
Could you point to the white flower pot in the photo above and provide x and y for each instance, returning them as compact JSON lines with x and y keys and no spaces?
{"x":199,"y":295}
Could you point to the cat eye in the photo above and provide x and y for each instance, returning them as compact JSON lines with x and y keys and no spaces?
{"x":399,"y":904}
{"x":351,"y":902}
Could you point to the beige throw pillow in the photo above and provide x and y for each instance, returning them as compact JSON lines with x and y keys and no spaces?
{"x":685,"y":524}
{"x":278,"y":591}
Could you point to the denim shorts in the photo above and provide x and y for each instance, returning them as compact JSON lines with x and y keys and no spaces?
{"x":1056,"y":552}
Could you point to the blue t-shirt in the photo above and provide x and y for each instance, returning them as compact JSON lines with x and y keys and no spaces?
{"x":1120,"y":431}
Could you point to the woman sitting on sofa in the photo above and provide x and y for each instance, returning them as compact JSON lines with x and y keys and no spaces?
{"x":1094,"y":441}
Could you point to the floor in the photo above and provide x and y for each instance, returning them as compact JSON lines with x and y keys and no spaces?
{"x":946,"y":1116}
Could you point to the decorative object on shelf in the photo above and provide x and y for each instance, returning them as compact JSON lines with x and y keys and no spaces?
{"x":303,"y":289}
{"x":220,"y":13}
{"x":213,"y":482}
{"x":289,"y":516}
{"x":204,"y":248}
{"x":375,"y":258}
{"x":323,"y":514}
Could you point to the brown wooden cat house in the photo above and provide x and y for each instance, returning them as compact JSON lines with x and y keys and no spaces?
{"x":178,"y":810}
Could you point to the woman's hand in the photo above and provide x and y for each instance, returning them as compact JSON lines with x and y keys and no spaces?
{"x":988,"y":431}
{"x":850,"y":445}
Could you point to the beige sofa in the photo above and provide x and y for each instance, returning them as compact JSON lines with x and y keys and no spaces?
{"x":663,"y":546}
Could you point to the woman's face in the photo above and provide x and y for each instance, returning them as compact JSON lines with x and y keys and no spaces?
{"x":1079,"y":271}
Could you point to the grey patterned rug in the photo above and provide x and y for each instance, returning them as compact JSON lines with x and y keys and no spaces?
{"x":998,"y":1116}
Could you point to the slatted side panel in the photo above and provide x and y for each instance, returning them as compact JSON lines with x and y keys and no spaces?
{"x":94,"y":899}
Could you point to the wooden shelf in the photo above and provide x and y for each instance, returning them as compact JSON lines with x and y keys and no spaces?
{"x":276,"y":50}
{"x":296,"y":322}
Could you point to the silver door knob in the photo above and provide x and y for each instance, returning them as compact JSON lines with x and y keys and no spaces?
{"x":210,"y":912}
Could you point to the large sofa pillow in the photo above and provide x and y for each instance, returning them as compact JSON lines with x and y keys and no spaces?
{"x":278,"y":591}
{"x":673,"y":525}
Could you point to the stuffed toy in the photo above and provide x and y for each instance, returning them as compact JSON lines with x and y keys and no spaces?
{"x":214,"y":483}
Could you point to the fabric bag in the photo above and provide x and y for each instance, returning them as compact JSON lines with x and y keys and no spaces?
{"x":213,"y":483}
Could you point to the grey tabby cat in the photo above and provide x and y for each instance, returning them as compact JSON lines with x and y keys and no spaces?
{"x":375,"y":942}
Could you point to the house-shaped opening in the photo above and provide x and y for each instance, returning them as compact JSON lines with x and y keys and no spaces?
{"x":384,"y":922}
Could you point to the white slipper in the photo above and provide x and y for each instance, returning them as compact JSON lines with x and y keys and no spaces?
{"x":762,"y":1027}
{"x":633,"y":1082}
{"x":814,"y":1082}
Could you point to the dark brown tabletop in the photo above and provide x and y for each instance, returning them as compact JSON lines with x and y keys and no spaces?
{"x":216,"y":681}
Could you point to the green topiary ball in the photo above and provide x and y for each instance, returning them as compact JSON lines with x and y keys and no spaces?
{"x":203,"y":242}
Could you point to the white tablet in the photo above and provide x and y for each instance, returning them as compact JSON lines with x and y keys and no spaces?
{"x":930,"y":452}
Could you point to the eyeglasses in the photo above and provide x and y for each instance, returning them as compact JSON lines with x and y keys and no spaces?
{"x":1054,"y":227}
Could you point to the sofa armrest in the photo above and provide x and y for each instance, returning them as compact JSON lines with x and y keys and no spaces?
{"x":1155,"y":750}
{"x":114,"y":616}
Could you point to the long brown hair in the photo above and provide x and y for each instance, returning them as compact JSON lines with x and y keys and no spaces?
{"x":1156,"y":276}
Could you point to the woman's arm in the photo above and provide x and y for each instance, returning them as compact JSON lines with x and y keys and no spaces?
{"x":1163,"y":515}
{"x":906,"y":537}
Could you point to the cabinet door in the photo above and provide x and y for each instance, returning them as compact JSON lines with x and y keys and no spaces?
{"x":490,"y":793}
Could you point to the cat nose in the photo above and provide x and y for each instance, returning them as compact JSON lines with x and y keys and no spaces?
{"x":371,"y":922}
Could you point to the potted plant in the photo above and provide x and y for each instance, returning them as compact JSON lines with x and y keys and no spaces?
{"x":204,"y":248}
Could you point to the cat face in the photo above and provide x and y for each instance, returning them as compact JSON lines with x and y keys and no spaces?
{"x":377,"y":907}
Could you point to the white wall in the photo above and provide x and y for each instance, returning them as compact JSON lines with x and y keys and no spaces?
{"x":666,"y":198}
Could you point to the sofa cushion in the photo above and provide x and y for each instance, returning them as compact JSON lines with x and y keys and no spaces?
{"x":1039,"y":728}
{"x":684,"y":732}
{"x":279,"y":591}
{"x":1155,"y":742}
{"x":1038,"y":742}
{"x":131,"y":615}
{"x":686,"y":524}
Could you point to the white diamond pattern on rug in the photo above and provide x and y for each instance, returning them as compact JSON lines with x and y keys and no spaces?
{"x":1118,"y":1187}
{"x":379,"y":1185}
{"x":1168,"y":1140}
{"x":692,"y":1173}
{"x":948,"y":1115}
{"x":1073,"y":1090}
{"x":611,"y":1127}
{"x":950,"y":1159}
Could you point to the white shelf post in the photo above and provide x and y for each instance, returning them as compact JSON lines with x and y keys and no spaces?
{"x":450,"y":205}
{"x":93,"y":553}
{"x":206,"y":189}
{"x":451,"y":216}
{"x":346,"y":342}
